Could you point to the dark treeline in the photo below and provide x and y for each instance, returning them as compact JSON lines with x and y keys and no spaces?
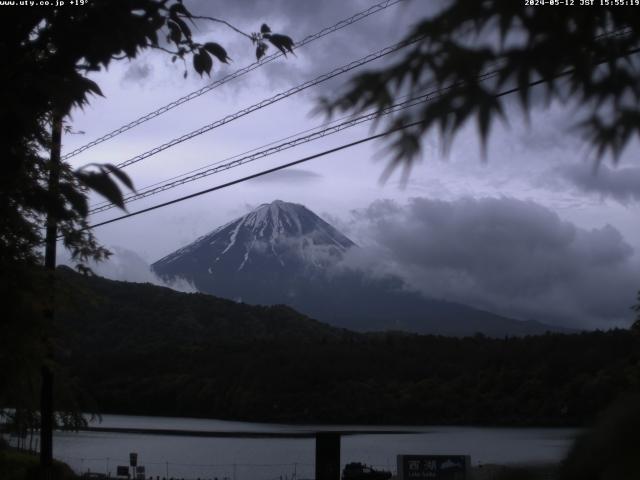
{"x":142,"y":349}
{"x":546,"y":380}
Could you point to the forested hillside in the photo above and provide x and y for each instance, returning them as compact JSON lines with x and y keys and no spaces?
{"x":147,"y":350}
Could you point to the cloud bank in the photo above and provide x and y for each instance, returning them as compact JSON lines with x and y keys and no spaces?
{"x":512,"y":257}
{"x":620,"y":184}
{"x":127,"y":266}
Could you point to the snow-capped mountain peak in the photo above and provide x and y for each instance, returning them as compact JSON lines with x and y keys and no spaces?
{"x":283,"y":253}
{"x":273,"y":235}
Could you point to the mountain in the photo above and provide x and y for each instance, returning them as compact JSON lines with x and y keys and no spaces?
{"x":260,"y":257}
{"x":283,"y":253}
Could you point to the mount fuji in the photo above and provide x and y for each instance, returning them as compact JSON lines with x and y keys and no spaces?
{"x":283,"y":253}
{"x":261,"y":257}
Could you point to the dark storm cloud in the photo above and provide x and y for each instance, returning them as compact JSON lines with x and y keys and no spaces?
{"x":290,"y":177}
{"x":505,"y":255}
{"x":621,"y":184}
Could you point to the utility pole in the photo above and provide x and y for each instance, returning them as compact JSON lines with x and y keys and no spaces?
{"x":46,"y":392}
{"x":327,"y":456}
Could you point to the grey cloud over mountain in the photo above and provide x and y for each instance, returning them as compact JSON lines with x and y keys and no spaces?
{"x":621,"y":184}
{"x":509,"y":256}
{"x":127,"y":266}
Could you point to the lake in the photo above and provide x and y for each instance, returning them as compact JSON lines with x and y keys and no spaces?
{"x":291,"y":458}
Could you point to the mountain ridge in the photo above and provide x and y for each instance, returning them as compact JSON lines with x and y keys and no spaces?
{"x":283,"y":253}
{"x":138,"y":348}
{"x":100,"y":315}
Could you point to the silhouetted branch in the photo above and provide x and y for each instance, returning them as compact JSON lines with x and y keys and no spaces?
{"x":203,"y":17}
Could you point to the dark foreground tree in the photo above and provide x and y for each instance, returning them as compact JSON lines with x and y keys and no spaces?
{"x":46,"y":54}
{"x":475,"y":53}
{"x":636,"y":325}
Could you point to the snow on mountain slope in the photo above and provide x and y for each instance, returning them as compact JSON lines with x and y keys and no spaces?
{"x":272,"y":236}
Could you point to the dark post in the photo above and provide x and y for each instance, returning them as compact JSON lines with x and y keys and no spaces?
{"x":46,"y":393}
{"x":327,"y":456}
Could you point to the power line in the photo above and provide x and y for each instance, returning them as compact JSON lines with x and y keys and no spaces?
{"x":218,"y":162}
{"x":276,"y":98}
{"x":238,"y":73}
{"x":268,"y":101}
{"x":183,"y":179}
{"x":255,"y":175}
{"x":327,"y":152}
{"x":274,"y":147}
{"x":317,"y":155}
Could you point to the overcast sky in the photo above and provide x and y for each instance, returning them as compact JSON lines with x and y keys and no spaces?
{"x":530,"y":233}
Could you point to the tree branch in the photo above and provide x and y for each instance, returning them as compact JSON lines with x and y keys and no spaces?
{"x":202,"y":17}
{"x":170,"y":52}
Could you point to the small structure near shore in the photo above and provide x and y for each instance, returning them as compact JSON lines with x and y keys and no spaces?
{"x":434,"y":467}
{"x":360,"y":471}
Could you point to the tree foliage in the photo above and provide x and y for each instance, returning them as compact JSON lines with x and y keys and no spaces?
{"x":585,"y":55}
{"x":281,"y":42}
{"x":143,"y":349}
{"x":46,"y":55}
{"x":636,"y":325}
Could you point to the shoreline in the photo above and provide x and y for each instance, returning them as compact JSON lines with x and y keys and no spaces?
{"x":236,"y":433}
{"x":525,"y":470}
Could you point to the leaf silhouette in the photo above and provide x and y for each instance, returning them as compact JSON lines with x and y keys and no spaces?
{"x":261,"y":49}
{"x":102,"y":183}
{"x":174,"y":32}
{"x":265,"y":29}
{"x":202,"y":62}
{"x":119,"y":174}
{"x":183,"y":26}
{"x":91,"y":86}
{"x":76,"y":198}
{"x":217,"y":51}
{"x":179,"y":8}
{"x":282,"y":43}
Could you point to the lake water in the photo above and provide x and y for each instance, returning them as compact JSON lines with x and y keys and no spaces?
{"x":271,"y":458}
